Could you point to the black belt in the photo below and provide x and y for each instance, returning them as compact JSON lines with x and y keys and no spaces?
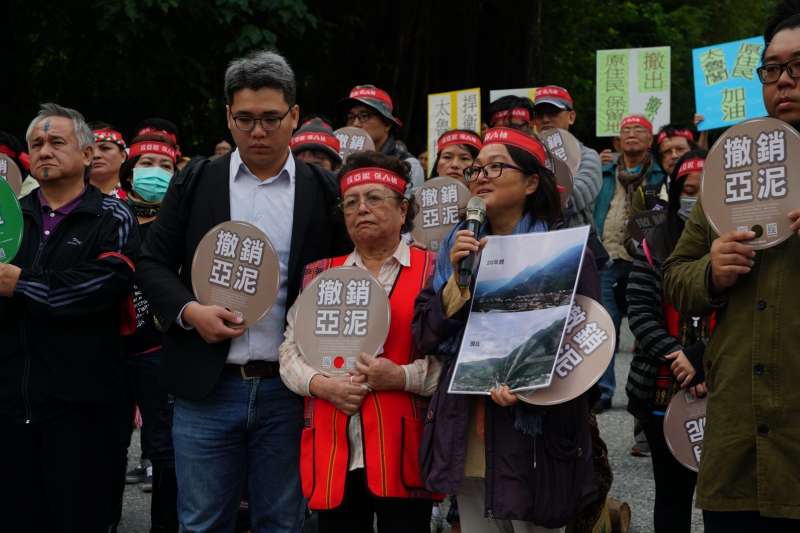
{"x":253,"y":369}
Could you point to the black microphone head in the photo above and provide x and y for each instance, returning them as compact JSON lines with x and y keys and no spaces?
{"x":476,"y":209}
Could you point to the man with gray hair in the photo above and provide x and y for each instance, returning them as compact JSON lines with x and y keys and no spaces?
{"x":235,"y":421}
{"x":60,"y":345}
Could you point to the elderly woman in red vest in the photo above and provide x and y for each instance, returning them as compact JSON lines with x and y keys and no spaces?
{"x":360,"y":447}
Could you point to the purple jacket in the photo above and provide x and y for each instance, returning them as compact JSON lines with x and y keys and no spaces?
{"x":546,"y":480}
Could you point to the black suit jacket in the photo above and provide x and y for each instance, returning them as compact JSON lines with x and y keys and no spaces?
{"x":197,"y":200}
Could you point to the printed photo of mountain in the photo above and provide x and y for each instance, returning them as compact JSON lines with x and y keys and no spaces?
{"x":523,"y":293}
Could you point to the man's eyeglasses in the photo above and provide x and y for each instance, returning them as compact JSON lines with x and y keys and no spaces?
{"x":770,"y":73}
{"x":351,"y":203}
{"x":268,"y":123}
{"x":362,"y":116}
{"x":492,"y":171}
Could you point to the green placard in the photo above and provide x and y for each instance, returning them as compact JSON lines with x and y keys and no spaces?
{"x":10,"y":223}
{"x":653,"y":73}
{"x":612,"y":90}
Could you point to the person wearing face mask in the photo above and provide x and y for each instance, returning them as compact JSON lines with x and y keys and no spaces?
{"x":107,"y":158}
{"x":455,"y":151}
{"x":669,"y":350}
{"x":145,"y":177}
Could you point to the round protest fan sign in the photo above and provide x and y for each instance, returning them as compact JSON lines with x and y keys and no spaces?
{"x":441,"y":203}
{"x":586,"y":351}
{"x":751,"y":180}
{"x":640,"y":223}
{"x":563,"y":145}
{"x":9,"y":171}
{"x":344,"y":311}
{"x":10,"y":223}
{"x":684,"y":428}
{"x":563,"y":180}
{"x":352,"y":140}
{"x":235,"y":266}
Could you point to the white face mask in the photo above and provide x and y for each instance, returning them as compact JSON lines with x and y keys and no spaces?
{"x":687,"y":204}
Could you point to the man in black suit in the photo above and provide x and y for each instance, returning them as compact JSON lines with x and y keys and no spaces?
{"x":234,"y":419}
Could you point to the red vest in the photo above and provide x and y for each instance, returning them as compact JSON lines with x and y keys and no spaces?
{"x":391,"y":421}
{"x":672,"y":317}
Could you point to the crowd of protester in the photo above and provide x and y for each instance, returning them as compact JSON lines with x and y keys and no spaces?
{"x":101,"y":331}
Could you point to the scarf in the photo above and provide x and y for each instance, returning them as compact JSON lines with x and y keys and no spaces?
{"x":632,"y":180}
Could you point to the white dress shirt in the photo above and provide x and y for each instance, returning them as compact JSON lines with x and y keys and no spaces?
{"x":268,"y":205}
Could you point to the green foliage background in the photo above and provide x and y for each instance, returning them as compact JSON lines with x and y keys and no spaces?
{"x":124,"y":60}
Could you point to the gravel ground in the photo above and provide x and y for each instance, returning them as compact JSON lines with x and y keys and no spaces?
{"x":633,"y":476}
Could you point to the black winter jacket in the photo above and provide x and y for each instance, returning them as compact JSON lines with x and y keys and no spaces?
{"x":60,"y":341}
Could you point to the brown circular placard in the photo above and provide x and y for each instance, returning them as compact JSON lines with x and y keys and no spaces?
{"x":586,"y":351}
{"x":236,"y":266}
{"x":344,"y":311}
{"x":352,"y":140}
{"x":563,"y":145}
{"x":751,"y":180}
{"x":441,"y":203}
{"x":563,"y":180}
{"x":640,"y":223}
{"x":684,"y":428}
{"x":9,"y":171}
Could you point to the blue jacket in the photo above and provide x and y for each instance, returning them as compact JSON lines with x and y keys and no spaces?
{"x":654,"y":177}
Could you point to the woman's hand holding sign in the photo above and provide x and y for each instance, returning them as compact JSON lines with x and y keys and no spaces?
{"x":381,"y":373}
{"x":344,"y":392}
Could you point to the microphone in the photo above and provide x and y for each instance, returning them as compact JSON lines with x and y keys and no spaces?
{"x":476,"y":214}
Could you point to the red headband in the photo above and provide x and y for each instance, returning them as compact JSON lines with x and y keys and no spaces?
{"x":458,"y":137}
{"x":8,"y":151}
{"x":691,"y":165}
{"x":110,"y":136}
{"x":153,"y":147}
{"x":517,"y":112}
{"x":638,"y":120}
{"x":373,"y":93}
{"x":156,"y":131}
{"x":315,"y":138}
{"x":686,"y":134}
{"x":379,"y":176}
{"x":518,"y":139}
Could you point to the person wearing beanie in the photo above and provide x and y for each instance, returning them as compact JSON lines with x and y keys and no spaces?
{"x":109,"y":154}
{"x":371,"y":108}
{"x":315,"y":143}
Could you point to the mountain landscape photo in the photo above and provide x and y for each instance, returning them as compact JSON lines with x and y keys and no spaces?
{"x":539,"y":286}
{"x":528,"y":364}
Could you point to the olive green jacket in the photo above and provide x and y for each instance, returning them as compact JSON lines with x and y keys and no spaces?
{"x":751,"y":451}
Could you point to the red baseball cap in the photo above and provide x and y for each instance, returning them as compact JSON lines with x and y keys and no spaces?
{"x":553,"y":95}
